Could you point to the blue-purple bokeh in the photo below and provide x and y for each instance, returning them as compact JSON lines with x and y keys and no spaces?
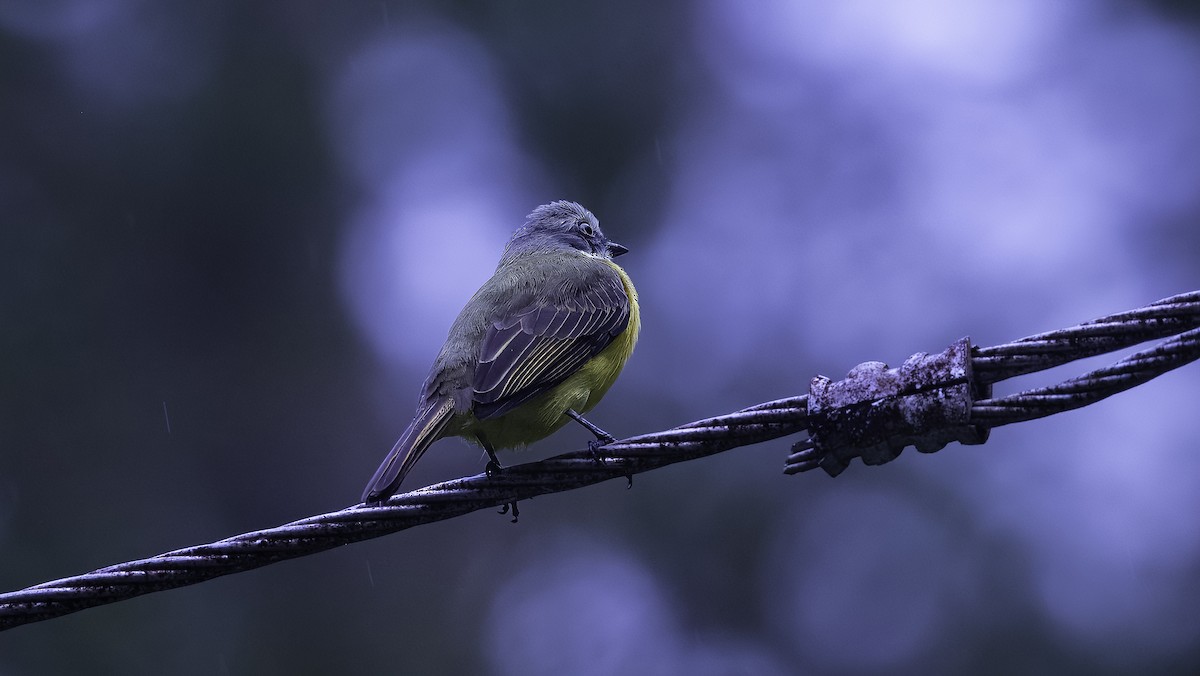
{"x":235,"y":236}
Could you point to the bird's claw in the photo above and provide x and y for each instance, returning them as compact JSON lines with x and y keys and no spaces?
{"x":492,"y":468}
{"x":594,"y":449}
{"x":515,"y":512}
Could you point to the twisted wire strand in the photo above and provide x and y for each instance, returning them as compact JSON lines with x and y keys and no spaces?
{"x":1160,"y":319}
{"x":1177,"y":316}
{"x":1090,"y":387}
{"x":445,"y":500}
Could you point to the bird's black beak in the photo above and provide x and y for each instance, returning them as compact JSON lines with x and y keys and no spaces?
{"x":615,"y":250}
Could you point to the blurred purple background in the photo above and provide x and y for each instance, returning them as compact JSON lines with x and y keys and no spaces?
{"x":233,"y":235}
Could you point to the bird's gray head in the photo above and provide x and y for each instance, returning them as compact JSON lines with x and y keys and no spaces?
{"x":560,"y":225}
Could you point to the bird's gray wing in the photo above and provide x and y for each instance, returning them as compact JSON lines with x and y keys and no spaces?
{"x":539,"y":346}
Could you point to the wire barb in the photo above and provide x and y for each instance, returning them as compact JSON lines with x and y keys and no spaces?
{"x":876,"y":412}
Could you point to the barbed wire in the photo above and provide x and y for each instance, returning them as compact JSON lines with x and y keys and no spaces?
{"x":1091,"y":387}
{"x":1163,"y":318}
{"x":1178,"y":316}
{"x":438,"y":502}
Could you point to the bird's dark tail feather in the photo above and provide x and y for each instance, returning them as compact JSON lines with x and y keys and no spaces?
{"x":426,"y":428}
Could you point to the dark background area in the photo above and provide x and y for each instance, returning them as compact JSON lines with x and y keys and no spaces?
{"x":233,"y":235}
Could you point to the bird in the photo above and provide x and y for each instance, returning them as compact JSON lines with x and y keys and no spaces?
{"x":538,"y":345}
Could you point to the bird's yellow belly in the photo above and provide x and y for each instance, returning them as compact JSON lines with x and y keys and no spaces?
{"x":581,"y":391}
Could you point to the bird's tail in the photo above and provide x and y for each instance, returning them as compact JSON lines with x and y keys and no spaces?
{"x":426,"y":428}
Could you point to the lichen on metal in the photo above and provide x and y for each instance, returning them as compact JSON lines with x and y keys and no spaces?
{"x":876,"y":411}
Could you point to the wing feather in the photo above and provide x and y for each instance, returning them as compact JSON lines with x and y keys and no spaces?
{"x":542,"y":344}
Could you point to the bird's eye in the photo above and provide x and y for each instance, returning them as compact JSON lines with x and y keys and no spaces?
{"x":586,"y":228}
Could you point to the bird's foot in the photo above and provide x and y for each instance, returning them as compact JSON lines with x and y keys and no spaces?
{"x":492,"y":468}
{"x":594,"y":449}
{"x":515,"y":512}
